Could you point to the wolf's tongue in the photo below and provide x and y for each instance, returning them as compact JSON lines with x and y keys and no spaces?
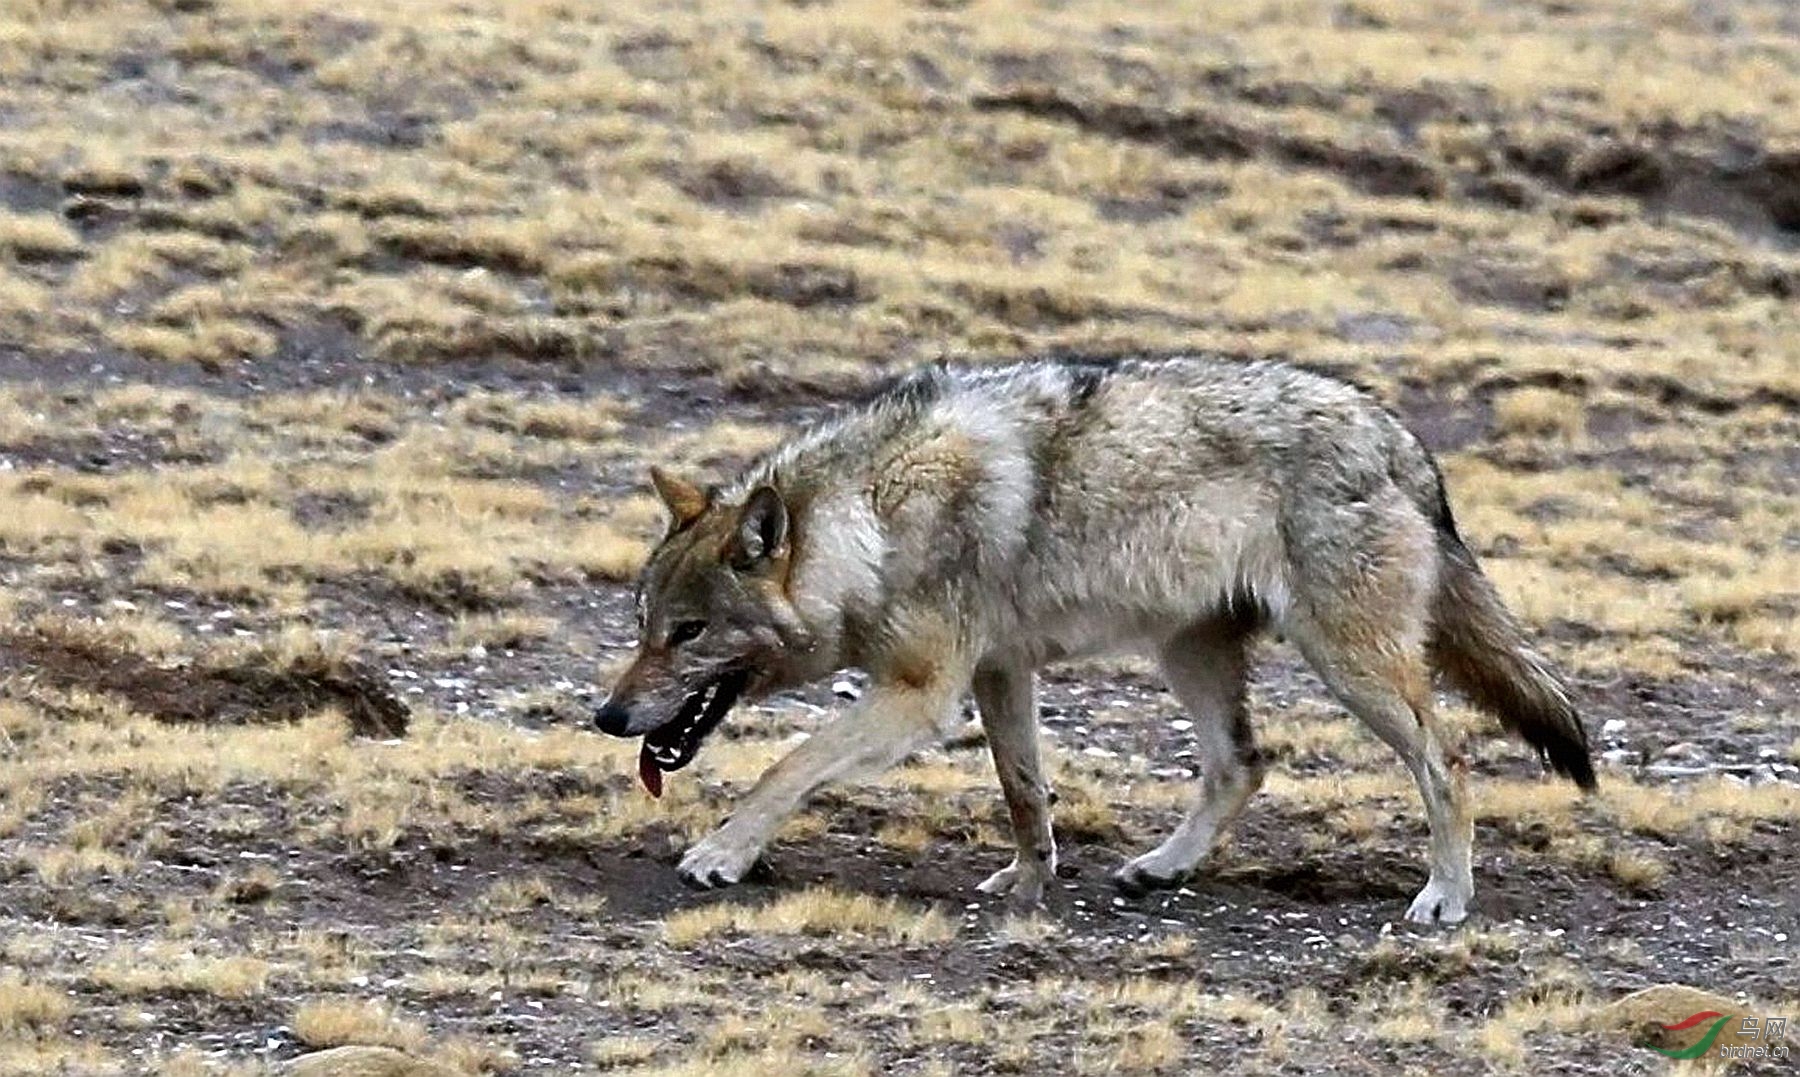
{"x":649,"y":773}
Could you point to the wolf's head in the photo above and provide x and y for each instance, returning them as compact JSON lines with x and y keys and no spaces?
{"x":713,"y":622}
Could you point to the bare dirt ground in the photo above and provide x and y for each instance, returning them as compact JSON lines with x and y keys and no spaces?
{"x":335,"y":339}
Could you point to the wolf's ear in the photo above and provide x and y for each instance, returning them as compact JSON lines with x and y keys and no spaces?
{"x":762,"y":530}
{"x":685,"y":500}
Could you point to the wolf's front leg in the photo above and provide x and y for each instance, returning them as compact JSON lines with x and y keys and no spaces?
{"x":891,"y":722}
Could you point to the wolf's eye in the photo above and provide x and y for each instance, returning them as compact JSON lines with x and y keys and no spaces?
{"x":686,"y":632}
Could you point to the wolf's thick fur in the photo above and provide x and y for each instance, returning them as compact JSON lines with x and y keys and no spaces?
{"x":965,"y":526}
{"x":1477,"y":646}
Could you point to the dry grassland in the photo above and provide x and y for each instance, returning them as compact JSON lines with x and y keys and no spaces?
{"x":335,"y":338}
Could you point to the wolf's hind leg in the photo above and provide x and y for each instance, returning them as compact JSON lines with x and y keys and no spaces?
{"x":1009,"y":715}
{"x":1206,"y":665}
{"x":1386,"y":683}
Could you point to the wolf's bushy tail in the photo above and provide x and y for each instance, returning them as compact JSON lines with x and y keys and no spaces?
{"x":1478,"y":647}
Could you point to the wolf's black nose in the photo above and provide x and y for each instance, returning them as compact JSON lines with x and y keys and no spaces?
{"x":612,"y":718}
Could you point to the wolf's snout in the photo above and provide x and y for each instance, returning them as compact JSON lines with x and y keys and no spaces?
{"x":614,"y":719}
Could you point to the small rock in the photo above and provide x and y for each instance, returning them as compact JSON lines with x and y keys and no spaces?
{"x":1613,"y":726}
{"x":844,"y":689}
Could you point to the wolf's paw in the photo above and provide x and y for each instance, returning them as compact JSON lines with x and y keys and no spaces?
{"x":1147,"y":873}
{"x":717,"y":861}
{"x":1440,"y":903}
{"x":1021,"y":883}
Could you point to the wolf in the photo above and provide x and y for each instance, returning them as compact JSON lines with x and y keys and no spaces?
{"x":964,"y":526}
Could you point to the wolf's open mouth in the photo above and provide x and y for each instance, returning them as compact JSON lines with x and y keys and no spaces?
{"x":674,"y":744}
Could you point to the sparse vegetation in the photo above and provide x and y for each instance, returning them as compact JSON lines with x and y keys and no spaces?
{"x":344,"y":1022}
{"x":334,"y":341}
{"x":30,"y":1009}
{"x":813,"y":912}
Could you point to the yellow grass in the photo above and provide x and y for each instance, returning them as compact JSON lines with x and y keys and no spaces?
{"x":450,"y":274}
{"x":813,"y":912}
{"x":36,"y":236}
{"x":1541,"y":413}
{"x":329,"y":1022}
{"x":27,"y":1007}
{"x":236,"y":977}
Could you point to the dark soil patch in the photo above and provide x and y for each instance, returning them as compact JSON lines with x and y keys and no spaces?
{"x":103,"y":185}
{"x":332,"y":510}
{"x":1161,"y":204}
{"x":1505,"y":283}
{"x":381,"y":128}
{"x":1443,"y":424}
{"x":731,"y":184}
{"x":106,"y":451}
{"x":224,"y":694}
{"x":1718,"y":175}
{"x":1210,"y":134}
{"x":24,"y":193}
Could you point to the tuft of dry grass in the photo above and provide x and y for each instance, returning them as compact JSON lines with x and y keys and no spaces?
{"x":623,"y":1052}
{"x":951,"y":1024}
{"x":36,"y":237}
{"x":1637,"y":872}
{"x":814,"y":911}
{"x":235,"y":977}
{"x":337,"y":1022}
{"x":28,"y":1008}
{"x":1541,"y":413}
{"x":1664,"y":812}
{"x":1406,"y":1013}
{"x":1151,"y":1047}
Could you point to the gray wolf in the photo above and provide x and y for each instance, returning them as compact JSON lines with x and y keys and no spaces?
{"x":963,"y":527}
